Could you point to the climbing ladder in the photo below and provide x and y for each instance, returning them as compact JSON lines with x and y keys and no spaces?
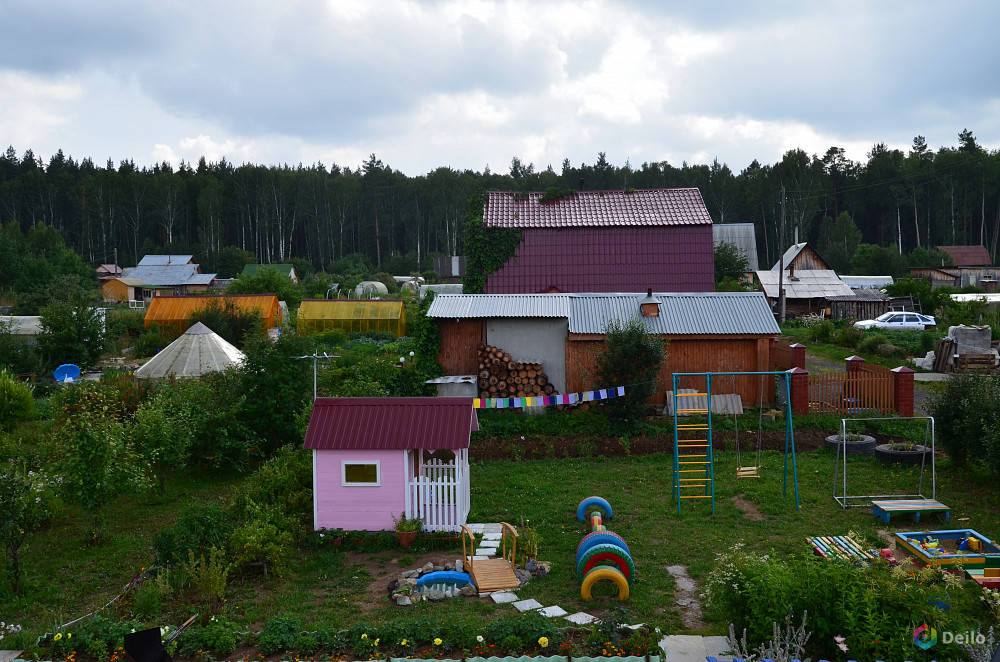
{"x":694,"y":473}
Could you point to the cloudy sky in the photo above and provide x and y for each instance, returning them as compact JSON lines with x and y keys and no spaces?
{"x":470,"y":84}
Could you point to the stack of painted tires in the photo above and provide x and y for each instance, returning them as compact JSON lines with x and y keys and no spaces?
{"x":602,"y":554}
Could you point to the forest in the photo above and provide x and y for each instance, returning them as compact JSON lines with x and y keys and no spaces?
{"x":318,"y":214}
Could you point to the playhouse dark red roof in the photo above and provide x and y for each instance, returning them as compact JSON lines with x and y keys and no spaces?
{"x":390,"y":423}
{"x":643,"y":207}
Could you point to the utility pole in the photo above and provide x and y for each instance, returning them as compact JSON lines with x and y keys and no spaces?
{"x":781,"y":261}
{"x":314,"y":356}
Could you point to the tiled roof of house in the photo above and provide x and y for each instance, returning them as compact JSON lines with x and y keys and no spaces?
{"x":390,"y":423}
{"x":643,"y":207}
{"x":968,"y":256}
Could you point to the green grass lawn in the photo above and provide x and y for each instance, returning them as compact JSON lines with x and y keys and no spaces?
{"x":329,"y":586}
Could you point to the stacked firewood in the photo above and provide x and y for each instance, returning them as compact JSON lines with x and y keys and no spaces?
{"x":502,"y":377}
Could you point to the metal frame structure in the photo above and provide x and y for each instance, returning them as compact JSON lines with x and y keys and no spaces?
{"x":844,"y":499}
{"x":710,"y":485}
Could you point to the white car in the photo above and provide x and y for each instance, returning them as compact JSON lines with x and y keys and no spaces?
{"x":901,"y":321}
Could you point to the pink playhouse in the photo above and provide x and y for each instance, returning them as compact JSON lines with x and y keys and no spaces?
{"x":374,"y":458}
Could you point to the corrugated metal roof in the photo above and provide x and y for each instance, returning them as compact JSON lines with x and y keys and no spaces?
{"x":390,"y":423}
{"x":462,"y":306}
{"x":164,"y":260}
{"x":968,"y":256}
{"x":696,"y":313}
{"x":681,"y":206}
{"x":741,"y":235}
{"x":809,"y":284}
{"x":180,"y":274}
{"x":859,"y":282}
{"x":349,"y":309}
{"x":789,"y":256}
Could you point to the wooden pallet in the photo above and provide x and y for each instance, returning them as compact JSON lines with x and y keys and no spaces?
{"x":966,"y":361}
{"x":884,"y":509}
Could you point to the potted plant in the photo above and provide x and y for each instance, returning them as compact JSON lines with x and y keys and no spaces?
{"x":852,"y":443}
{"x":407,"y":529}
{"x":903,"y":452}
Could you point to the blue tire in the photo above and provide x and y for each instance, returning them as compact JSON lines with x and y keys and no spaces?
{"x":600,"y":538}
{"x":591,"y":502}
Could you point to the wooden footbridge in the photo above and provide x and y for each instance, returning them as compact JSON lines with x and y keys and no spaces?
{"x":492,"y":574}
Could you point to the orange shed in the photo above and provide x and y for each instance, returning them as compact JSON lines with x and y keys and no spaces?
{"x":176,"y":312}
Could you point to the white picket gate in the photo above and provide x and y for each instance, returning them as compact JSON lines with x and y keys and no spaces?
{"x":439,"y":494}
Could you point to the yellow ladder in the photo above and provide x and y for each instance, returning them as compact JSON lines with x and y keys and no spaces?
{"x":693,"y":468}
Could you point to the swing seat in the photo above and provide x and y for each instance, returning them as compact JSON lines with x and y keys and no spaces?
{"x":747,"y":472}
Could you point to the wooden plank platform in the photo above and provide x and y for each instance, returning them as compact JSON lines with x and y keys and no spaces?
{"x":493,"y":575}
{"x":884,"y":509}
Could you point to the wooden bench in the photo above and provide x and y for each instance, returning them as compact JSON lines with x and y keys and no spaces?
{"x":883,"y":509}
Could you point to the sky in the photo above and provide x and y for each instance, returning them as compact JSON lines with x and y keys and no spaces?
{"x":472,"y":84}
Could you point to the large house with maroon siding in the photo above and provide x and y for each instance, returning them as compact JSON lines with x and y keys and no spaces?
{"x":604,"y":241}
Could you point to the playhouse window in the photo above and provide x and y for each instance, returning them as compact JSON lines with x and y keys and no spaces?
{"x":360,"y":473}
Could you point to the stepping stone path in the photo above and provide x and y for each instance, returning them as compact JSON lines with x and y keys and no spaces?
{"x":678,"y":648}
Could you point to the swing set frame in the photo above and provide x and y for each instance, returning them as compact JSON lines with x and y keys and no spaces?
{"x":789,"y":428}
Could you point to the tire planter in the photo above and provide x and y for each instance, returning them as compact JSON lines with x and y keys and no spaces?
{"x":864,"y":446}
{"x":600,"y":538}
{"x":890,"y":455}
{"x":609,"y":553}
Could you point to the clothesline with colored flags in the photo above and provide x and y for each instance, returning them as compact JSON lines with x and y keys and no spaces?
{"x":545,"y":400}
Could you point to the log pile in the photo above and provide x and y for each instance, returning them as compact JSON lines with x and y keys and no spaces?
{"x":502,"y":377}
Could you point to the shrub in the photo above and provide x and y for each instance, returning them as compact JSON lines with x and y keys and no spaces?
{"x":630,"y":356}
{"x":873,"y":607}
{"x":967,"y":416}
{"x":848,"y":336}
{"x":16,"y":402}
{"x":199,"y":527}
{"x":146,"y":603}
{"x":821,"y":332}
{"x":279,"y":634}
{"x":220,"y":635}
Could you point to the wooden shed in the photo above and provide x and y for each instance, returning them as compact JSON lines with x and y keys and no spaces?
{"x":377,"y":458}
{"x":176,"y":311}
{"x":713,"y":331}
{"x":352,"y":315}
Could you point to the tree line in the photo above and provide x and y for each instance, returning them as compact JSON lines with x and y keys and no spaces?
{"x":917,"y":199}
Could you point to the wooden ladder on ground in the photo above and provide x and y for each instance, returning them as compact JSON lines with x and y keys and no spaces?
{"x":694,"y":471}
{"x":492,"y":574}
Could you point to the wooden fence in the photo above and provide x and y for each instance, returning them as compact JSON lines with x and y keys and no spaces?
{"x":864,"y":391}
{"x":440,"y":494}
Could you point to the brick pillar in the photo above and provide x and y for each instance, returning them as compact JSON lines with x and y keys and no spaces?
{"x":798,"y":355}
{"x":903,"y":390}
{"x":853,"y":364}
{"x":800,"y":391}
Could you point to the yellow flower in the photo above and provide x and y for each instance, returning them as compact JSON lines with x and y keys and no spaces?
{"x":403,"y":642}
{"x":364,"y":636}
{"x":437,"y":641}
{"x":543,"y":641}
{"x":69,"y":635}
{"x":57,"y":637}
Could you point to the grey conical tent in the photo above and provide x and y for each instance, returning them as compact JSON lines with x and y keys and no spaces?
{"x":197,"y":351}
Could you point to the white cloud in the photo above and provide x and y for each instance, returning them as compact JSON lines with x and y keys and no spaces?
{"x":33,"y":109}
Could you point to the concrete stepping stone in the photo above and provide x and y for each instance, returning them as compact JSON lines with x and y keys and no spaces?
{"x":718,"y":648}
{"x":553,"y":612}
{"x":684,"y":648}
{"x":480,"y":557}
{"x":503,"y":597}
{"x":7,"y":656}
{"x":581,"y":618}
{"x":492,"y":536}
{"x":527,"y":605}
{"x":485,"y":552}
